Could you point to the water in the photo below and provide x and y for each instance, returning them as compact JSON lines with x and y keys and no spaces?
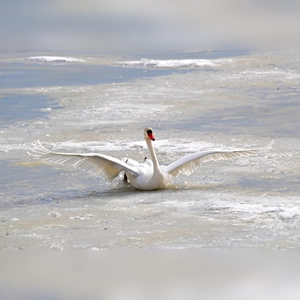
{"x":101,"y":104}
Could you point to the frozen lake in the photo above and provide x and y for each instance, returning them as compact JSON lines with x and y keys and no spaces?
{"x":193,"y":101}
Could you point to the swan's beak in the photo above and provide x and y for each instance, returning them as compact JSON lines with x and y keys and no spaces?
{"x":151,"y":136}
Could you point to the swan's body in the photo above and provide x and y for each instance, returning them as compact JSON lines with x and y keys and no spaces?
{"x":143,"y":176}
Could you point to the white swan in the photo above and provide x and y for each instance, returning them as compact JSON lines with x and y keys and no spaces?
{"x":148,"y":175}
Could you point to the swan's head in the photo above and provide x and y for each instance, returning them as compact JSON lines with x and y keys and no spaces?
{"x":148,"y":134}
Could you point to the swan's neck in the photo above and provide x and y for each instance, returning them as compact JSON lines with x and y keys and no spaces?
{"x":153,"y":155}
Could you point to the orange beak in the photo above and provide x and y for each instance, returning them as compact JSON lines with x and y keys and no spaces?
{"x":151,"y":136}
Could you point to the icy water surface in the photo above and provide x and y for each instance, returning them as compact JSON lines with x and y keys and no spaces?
{"x":193,"y":101}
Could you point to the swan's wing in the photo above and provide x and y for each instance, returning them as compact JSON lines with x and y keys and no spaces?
{"x":100,"y":165}
{"x":190,"y":163}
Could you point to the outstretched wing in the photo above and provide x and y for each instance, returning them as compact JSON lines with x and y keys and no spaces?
{"x":100,"y":165}
{"x":190,"y":163}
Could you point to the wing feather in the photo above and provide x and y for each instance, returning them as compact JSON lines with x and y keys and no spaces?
{"x":190,"y":163}
{"x":100,"y":165}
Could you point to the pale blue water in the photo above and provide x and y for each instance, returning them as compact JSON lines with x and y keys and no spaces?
{"x":32,"y":75}
{"x":18,"y":107}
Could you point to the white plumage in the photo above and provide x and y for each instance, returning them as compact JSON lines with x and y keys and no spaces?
{"x":148,"y":175}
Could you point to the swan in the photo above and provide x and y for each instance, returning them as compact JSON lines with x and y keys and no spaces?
{"x":148,"y":175}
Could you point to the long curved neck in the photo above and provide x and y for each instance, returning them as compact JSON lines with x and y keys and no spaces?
{"x":153,"y":155}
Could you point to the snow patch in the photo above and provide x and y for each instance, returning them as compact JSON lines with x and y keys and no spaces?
{"x":55,"y":59}
{"x":173,"y":63}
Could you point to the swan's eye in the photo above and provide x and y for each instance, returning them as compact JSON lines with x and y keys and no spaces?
{"x":149,"y":132}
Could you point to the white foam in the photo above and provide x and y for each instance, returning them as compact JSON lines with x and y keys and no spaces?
{"x":173,"y":63}
{"x":289,"y":213}
{"x":258,"y":209}
{"x":270,"y":74}
{"x":48,"y":109}
{"x":4,"y":147}
{"x":55,"y":59}
{"x":164,"y":145}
